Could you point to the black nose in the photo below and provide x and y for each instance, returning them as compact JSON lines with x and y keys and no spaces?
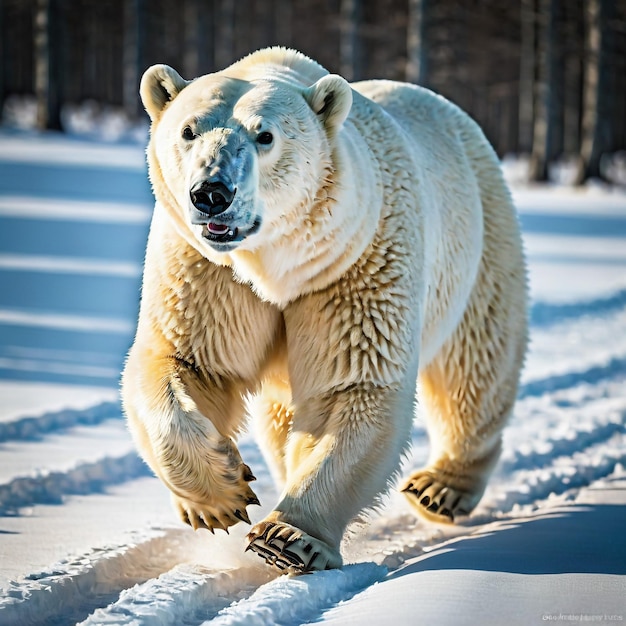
{"x":212,"y":198}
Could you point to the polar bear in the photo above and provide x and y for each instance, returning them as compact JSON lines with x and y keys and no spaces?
{"x":319,"y":252}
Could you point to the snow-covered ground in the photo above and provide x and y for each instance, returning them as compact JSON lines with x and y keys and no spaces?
{"x":87,"y":534}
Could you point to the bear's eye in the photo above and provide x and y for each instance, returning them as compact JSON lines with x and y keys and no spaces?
{"x":265,"y":138}
{"x":188,"y":134}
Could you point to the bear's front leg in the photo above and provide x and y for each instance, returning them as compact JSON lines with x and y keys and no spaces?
{"x":169,"y":405}
{"x":353,"y":385}
{"x":344,"y":448}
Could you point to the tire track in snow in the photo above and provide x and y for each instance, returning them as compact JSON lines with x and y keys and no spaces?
{"x":243,"y":596}
{"x":615,"y":368}
{"x":544,"y":314}
{"x":84,"y":479}
{"x":564,"y":446}
{"x":564,"y":474}
{"x":185,"y":594}
{"x":583,"y":439}
{"x":300,"y":599}
{"x":70,"y":590}
{"x":590,"y":416}
{"x":35,"y":427}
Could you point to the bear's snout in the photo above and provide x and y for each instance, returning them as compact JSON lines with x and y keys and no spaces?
{"x":211,"y":197}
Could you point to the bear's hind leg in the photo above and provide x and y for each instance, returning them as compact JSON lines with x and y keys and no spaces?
{"x":468,"y":390}
{"x":465,"y":418}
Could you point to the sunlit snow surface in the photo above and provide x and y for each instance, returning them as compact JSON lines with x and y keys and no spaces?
{"x":88,"y":536}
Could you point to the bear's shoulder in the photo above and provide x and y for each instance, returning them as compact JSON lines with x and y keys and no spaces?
{"x":277,"y":61}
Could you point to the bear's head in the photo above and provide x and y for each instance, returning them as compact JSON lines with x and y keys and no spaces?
{"x":240,"y":157}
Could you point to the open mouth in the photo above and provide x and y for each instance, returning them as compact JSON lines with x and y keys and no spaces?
{"x":224,"y":237}
{"x":219,"y":232}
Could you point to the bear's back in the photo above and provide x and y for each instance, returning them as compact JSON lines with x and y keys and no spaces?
{"x":419,"y":111}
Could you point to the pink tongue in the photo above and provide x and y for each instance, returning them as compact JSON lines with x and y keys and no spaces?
{"x":217,"y":229}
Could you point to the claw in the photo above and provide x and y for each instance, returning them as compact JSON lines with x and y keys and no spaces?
{"x":213,"y":523}
{"x":242,"y":515}
{"x":271,"y":532}
{"x":247,"y":473}
{"x":315,"y":555}
{"x":253,"y":500}
{"x":218,"y":525}
{"x":447,"y":513}
{"x":202,"y":523}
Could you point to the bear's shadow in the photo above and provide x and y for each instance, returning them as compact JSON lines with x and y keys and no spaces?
{"x":586,"y":539}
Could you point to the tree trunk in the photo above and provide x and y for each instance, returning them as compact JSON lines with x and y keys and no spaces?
{"x":557,"y":77}
{"x":572,"y":80}
{"x":595,"y":122}
{"x":283,"y":15}
{"x":349,"y":48}
{"x":544,"y":92}
{"x":47,"y":62}
{"x":134,"y":64}
{"x":417,"y":43}
{"x":527,"y":74}
{"x":225,"y":34}
{"x":3,"y":56}
{"x":199,"y":38}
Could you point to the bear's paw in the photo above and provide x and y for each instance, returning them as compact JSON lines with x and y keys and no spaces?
{"x":290,"y":550}
{"x":221,"y":513}
{"x":436,"y":497}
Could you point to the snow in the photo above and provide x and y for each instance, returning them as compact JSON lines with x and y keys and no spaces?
{"x":28,"y":207}
{"x":87,"y":535}
{"x":20,"y":398}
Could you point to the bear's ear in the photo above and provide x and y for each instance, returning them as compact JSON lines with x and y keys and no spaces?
{"x":159,"y":85}
{"x":330,"y":98}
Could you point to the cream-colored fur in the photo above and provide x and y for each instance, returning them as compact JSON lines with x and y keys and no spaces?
{"x":371,"y":242}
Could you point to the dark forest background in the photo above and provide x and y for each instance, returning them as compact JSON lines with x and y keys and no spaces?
{"x":543,"y":77}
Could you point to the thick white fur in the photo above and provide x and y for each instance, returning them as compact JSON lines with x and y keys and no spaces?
{"x":388,"y":251}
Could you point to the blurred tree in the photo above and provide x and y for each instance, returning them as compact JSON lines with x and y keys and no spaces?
{"x":572,"y":74}
{"x":527,"y":74}
{"x":545,"y":88}
{"x":416,"y":43}
{"x":350,"y":60}
{"x":134,"y":47}
{"x":224,"y":41}
{"x":198,"y":25}
{"x":283,"y":15}
{"x":596,"y":92}
{"x":48,"y":61}
{"x":3,"y":56}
